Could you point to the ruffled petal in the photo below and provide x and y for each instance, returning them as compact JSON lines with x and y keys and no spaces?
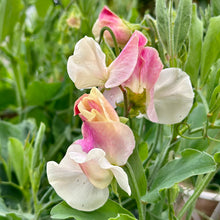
{"x":173,"y":96}
{"x":115,"y":138}
{"x":90,"y":164}
{"x":146,"y":71}
{"x":86,"y":67}
{"x":122,"y":67}
{"x":72,"y":185}
{"x":95,"y":107}
{"x":98,"y":169}
{"x":119,"y":174}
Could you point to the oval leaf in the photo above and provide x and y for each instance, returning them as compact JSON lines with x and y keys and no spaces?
{"x":210,"y":52}
{"x":182,"y":23}
{"x":192,"y":162}
{"x":195,"y":47}
{"x":110,"y":209}
{"x":162,"y":21}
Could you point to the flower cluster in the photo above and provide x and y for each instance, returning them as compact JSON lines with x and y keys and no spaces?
{"x":90,"y":164}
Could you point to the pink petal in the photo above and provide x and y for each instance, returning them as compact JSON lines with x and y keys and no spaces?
{"x":151,"y":68}
{"x":146,"y":72}
{"x":115,"y":138}
{"x":121,"y":31}
{"x":122,"y":67}
{"x":108,"y":15}
{"x":87,"y":142}
{"x":151,"y":111}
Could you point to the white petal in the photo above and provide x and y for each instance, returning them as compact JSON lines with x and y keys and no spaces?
{"x":86,"y":67}
{"x":99,"y":168}
{"x":173,"y":96}
{"x":119,"y":174}
{"x":90,"y":164}
{"x":71,"y":184}
{"x":96,"y":29}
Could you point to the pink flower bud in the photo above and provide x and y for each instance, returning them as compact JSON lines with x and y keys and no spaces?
{"x":120,"y":29}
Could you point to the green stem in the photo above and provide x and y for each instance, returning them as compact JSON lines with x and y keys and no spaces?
{"x":170,"y":204}
{"x":117,"y":51}
{"x":196,"y":194}
{"x":136,"y":193}
{"x":206,"y":106}
{"x":160,"y":161}
{"x":19,"y":86}
{"x":125,"y":101}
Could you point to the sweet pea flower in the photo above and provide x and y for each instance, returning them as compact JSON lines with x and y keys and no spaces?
{"x":89,"y":166}
{"x":87,"y":68}
{"x":120,"y":29}
{"x":168,"y":93}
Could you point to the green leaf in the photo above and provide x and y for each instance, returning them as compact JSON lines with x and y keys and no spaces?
{"x":110,"y":209}
{"x":16,"y":156}
{"x":138,"y":170}
{"x":123,"y":217}
{"x":37,"y":153}
{"x":195,"y":47}
{"x":191,"y":163}
{"x":162,"y":22}
{"x":210,"y":52}
{"x":18,"y":131}
{"x":217,"y":157}
{"x":42,"y":7}
{"x":40,"y":92}
{"x":215,"y":4}
{"x":9,"y":15}
{"x":143,"y":151}
{"x":182,"y":23}
{"x":13,"y":214}
{"x":215,"y":104}
{"x":213,"y":79}
{"x":8,"y":98}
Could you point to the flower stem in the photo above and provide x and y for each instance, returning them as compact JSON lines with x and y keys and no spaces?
{"x":125,"y":101}
{"x":117,"y":51}
{"x":196,"y":194}
{"x":136,"y":193}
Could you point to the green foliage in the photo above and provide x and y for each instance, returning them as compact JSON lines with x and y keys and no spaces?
{"x":195,"y":46}
{"x":191,"y":163}
{"x":210,"y":53}
{"x":16,"y":157}
{"x":215,"y":4}
{"x":162,"y":22}
{"x":182,"y":23}
{"x":38,"y":93}
{"x":10,"y":11}
{"x":106,"y":212}
{"x":37,"y":99}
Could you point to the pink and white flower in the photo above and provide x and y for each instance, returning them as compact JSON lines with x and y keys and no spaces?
{"x":120,"y":29}
{"x":83,"y":175}
{"x":87,"y":68}
{"x":138,"y":68}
